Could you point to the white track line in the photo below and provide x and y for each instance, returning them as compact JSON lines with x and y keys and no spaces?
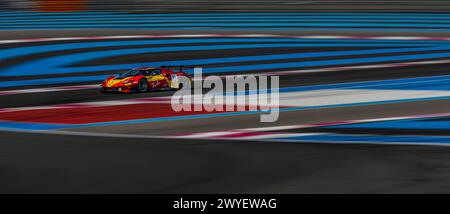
{"x":91,"y":104}
{"x":113,"y":135}
{"x":12,"y":41}
{"x":269,"y":136}
{"x":49,"y":89}
{"x":208,"y":134}
{"x":310,"y":98}
{"x":226,"y":134}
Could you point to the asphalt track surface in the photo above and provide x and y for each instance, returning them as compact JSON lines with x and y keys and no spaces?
{"x":193,"y":154}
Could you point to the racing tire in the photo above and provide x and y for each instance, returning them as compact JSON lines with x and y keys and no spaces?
{"x":142,"y":86}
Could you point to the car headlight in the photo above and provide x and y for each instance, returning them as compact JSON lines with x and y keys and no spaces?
{"x":127,"y":81}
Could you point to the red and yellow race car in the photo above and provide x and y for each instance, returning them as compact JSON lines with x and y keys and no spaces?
{"x":144,"y":79}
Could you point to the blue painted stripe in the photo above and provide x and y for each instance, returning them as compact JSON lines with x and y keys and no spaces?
{"x":93,"y":18}
{"x":52,"y":20}
{"x":65,"y":60}
{"x":290,"y":65}
{"x":441,"y":82}
{"x":71,"y":59}
{"x":399,"y":100}
{"x":256,"y":58}
{"x":438,"y":83}
{"x":167,"y":25}
{"x":416,"y":83}
{"x":10,"y":125}
{"x":404,"y":84}
{"x":234,"y":22}
{"x":24,"y":51}
{"x":341,"y":138}
{"x":133,"y":27}
{"x":401,"y":124}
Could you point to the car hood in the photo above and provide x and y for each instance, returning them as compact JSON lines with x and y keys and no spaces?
{"x":113,"y":81}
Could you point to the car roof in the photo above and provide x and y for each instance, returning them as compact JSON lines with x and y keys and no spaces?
{"x":144,"y":68}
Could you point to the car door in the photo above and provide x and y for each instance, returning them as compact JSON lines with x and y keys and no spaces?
{"x":156,"y":79}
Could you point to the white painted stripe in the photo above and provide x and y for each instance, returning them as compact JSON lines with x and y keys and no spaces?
{"x":87,"y":104}
{"x":29,"y":108}
{"x":325,"y":97}
{"x":356,"y":142}
{"x":117,"y":102}
{"x":273,"y":128}
{"x":313,"y":98}
{"x":430,"y":62}
{"x":222,"y":35}
{"x":327,"y":37}
{"x":278,"y":128}
{"x":352,"y":96}
{"x":49,"y":89}
{"x":207,"y":134}
{"x":400,"y":38}
{"x":272,"y":136}
{"x":89,"y":134}
{"x":113,"y":135}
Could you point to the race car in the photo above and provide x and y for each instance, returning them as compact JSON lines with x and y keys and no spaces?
{"x":144,"y":79}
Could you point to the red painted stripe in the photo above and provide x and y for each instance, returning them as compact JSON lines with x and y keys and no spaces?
{"x":79,"y":114}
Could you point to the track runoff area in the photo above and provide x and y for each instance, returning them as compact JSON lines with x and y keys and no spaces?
{"x":401,"y":52}
{"x":364,"y":92}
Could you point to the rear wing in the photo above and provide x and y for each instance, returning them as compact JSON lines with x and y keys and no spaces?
{"x":179,"y":67}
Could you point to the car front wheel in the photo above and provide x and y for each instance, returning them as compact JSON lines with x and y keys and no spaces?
{"x":143,"y":85}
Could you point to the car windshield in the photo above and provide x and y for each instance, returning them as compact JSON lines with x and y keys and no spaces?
{"x":129,"y":73}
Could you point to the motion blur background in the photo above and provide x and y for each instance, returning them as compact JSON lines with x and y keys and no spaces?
{"x":225,"y":5}
{"x":365,"y":91}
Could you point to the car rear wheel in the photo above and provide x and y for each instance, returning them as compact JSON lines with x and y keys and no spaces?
{"x":143,"y":85}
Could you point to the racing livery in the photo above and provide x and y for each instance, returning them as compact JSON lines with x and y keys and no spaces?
{"x":143,"y":79}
